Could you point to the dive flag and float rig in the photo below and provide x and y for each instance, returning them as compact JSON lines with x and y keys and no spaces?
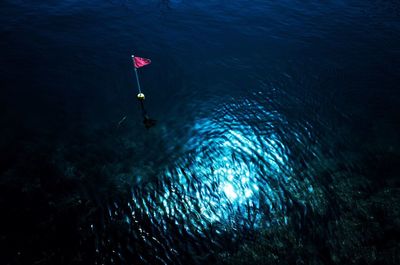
{"x":137,"y":63}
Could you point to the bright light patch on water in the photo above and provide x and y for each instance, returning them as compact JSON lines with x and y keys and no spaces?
{"x":223,"y":176}
{"x":248,"y":193}
{"x":230,"y":191}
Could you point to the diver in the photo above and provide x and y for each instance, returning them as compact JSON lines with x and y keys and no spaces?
{"x":147,"y":121}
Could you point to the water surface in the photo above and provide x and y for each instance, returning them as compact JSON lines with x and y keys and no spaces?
{"x":276,"y":141}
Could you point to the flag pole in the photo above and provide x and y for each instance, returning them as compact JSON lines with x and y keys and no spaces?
{"x":137,"y":76}
{"x":148,"y":122}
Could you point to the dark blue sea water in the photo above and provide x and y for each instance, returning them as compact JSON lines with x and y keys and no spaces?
{"x":277,"y":136}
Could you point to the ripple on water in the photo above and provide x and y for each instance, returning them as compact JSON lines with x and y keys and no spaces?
{"x":239,"y":170}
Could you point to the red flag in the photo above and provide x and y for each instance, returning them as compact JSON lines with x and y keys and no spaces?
{"x":140,"y":62}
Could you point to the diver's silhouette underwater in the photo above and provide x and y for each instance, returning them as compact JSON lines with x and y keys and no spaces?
{"x":147,"y":121}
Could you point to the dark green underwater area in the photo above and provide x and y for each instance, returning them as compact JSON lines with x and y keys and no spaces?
{"x":276,"y":142}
